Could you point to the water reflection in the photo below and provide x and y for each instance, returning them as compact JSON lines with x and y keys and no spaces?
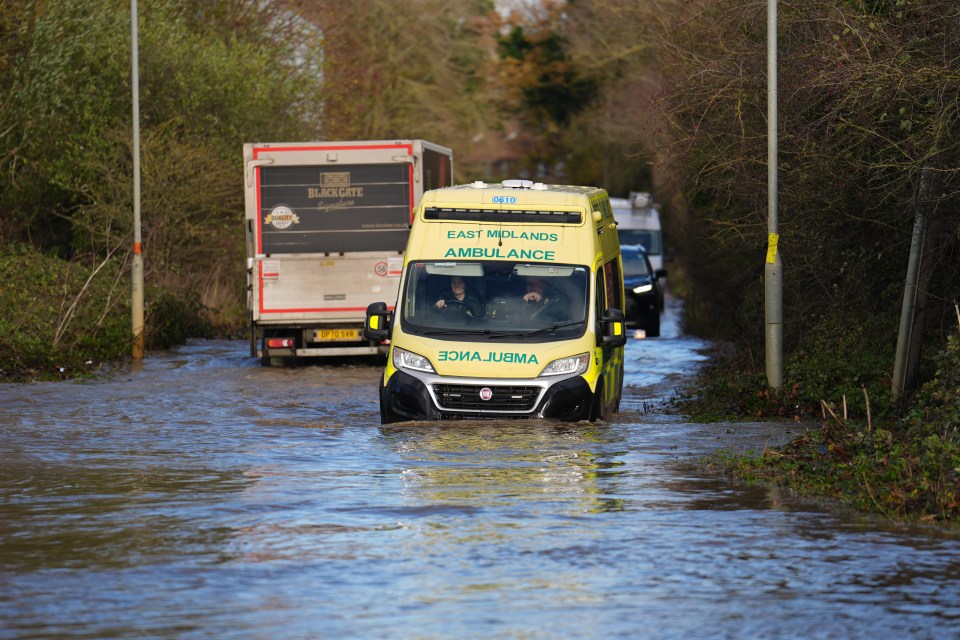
{"x":99,"y":515}
{"x":502,"y":464}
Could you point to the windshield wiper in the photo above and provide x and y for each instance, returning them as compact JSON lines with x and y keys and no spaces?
{"x":536,"y":332}
{"x":455,"y":332}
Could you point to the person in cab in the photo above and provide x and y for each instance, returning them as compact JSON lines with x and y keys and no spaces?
{"x":544,"y":302}
{"x":458,"y":301}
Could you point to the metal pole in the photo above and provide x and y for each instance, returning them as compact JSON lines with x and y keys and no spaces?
{"x":773,"y":267}
{"x":136,"y":305}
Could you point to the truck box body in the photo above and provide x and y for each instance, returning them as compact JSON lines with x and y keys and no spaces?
{"x":638,"y":224}
{"x":327,"y":224}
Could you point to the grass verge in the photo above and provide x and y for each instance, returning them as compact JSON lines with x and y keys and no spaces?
{"x":906,"y":468}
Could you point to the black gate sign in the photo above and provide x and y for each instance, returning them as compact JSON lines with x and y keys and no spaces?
{"x":333,"y":209}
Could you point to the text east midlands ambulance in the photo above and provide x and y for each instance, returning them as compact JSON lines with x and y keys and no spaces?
{"x":510,"y":306}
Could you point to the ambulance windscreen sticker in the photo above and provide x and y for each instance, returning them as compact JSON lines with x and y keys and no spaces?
{"x":281,"y":217}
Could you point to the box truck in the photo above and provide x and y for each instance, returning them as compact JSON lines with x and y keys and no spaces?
{"x":638,"y":224}
{"x":326,"y":227}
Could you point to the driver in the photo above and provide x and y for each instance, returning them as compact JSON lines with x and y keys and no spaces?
{"x":458,"y":299}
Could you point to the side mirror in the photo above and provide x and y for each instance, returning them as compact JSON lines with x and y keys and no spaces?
{"x":660,"y":273}
{"x":377,"y":324}
{"x":613,"y":329}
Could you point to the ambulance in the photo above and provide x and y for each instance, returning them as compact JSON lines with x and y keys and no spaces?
{"x":510,"y":306}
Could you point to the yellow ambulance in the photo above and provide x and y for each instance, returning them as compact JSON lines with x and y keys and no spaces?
{"x":510,"y":306}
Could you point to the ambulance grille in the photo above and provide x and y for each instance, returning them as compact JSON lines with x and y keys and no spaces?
{"x":466,"y":397}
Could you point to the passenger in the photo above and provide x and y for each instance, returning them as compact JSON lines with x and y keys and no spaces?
{"x":459,"y":300}
{"x":539,"y":299}
{"x":535,"y":291}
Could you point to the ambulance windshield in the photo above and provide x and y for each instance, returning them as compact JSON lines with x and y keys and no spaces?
{"x":491,"y":300}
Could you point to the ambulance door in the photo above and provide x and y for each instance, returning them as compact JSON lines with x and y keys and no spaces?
{"x":609,"y":295}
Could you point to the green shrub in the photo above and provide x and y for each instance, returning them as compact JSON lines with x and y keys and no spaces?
{"x":840,"y":356}
{"x":61,"y":318}
{"x":172,"y":320}
{"x":67,"y":319}
{"x":907,"y":469}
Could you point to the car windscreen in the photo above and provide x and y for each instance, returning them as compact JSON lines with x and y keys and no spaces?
{"x":649,"y":239}
{"x":634,"y":263}
{"x":495,"y":300}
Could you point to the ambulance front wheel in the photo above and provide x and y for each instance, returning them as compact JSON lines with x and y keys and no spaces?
{"x":598,"y":409}
{"x":387,"y":416}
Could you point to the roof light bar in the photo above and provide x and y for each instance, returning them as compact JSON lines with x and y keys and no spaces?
{"x":498,"y":215}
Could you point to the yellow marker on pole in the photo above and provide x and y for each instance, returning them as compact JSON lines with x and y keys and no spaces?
{"x":772,"y":240}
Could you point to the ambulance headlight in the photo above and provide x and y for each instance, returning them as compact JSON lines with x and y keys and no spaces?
{"x":403,"y":359}
{"x":574,"y":365}
{"x":643,"y":288}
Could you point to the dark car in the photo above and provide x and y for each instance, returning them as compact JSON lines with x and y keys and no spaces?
{"x":644,"y":297}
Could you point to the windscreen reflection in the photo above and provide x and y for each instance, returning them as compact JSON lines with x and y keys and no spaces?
{"x":649,"y":239}
{"x":634,"y":262}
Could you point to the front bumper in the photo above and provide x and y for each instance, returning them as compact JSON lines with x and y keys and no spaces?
{"x":406,"y":397}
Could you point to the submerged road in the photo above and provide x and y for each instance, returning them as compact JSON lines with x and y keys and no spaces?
{"x":203,"y":496}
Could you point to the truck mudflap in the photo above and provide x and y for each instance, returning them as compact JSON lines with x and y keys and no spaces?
{"x":405,"y":398}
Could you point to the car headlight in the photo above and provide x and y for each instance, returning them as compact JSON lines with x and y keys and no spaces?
{"x":643,"y":288}
{"x":403,"y":359}
{"x":573,"y":365}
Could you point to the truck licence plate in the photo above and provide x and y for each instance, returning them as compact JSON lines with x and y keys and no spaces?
{"x":337,"y":335}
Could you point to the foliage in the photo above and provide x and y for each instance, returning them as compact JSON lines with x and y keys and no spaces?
{"x":212,"y":76}
{"x":612,"y":140}
{"x":407,"y":69}
{"x":937,"y":407}
{"x":572,"y":118}
{"x":65,"y":319}
{"x":834,"y":360}
{"x":869,"y":100}
{"x":190,"y":250}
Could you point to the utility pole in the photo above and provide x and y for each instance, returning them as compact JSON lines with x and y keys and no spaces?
{"x":901,"y":365}
{"x":136,"y":305}
{"x":773,"y":267}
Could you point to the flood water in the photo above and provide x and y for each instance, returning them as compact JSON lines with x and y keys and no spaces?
{"x":201,"y":495}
